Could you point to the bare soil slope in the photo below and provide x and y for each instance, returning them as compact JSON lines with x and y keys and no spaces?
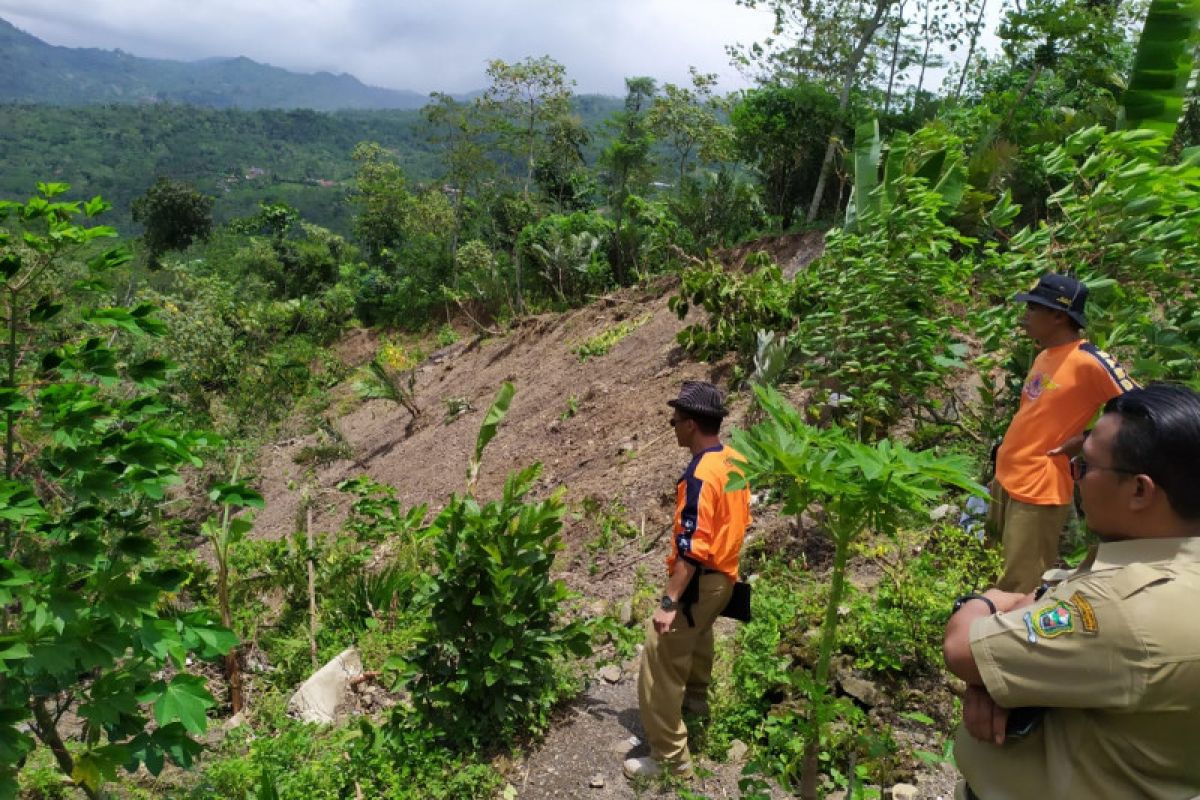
{"x":598,"y":426}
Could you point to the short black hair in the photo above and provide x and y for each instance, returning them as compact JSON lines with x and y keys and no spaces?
{"x":709,"y":426}
{"x":1160,"y":437}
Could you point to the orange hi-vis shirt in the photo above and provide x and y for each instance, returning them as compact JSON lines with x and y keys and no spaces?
{"x":710,"y":523}
{"x":1067,"y":385}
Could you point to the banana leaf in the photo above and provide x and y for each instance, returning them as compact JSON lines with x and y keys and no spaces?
{"x":867,"y":149}
{"x":1162,"y":67}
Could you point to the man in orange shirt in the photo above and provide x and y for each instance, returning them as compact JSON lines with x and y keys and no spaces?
{"x":710,"y":525}
{"x":1070,"y":381}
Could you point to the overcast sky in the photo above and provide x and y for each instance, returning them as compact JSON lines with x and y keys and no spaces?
{"x":423,"y":45}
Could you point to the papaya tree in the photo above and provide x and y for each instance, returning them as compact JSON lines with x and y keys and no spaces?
{"x":862,"y":489}
{"x":90,"y":453}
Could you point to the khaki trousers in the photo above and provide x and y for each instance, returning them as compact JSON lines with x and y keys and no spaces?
{"x":676,"y":663}
{"x":1029,"y":537}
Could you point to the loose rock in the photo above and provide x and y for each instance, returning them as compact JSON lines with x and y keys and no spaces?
{"x":597,"y":781}
{"x":942,"y":512}
{"x":737,"y":751}
{"x":862,"y":690}
{"x":904,"y":791}
{"x":611,"y":674}
{"x":318,"y":697}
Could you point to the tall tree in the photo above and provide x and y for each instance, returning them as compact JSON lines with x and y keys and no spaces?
{"x":781,"y":132}
{"x":686,"y":118}
{"x":627,"y":161}
{"x":561,"y":169}
{"x":173,"y":214}
{"x":828,"y":42}
{"x":383,"y":201}
{"x":457,"y":128}
{"x":525,"y":98}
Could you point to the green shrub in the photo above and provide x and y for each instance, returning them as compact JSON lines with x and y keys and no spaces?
{"x":490,"y":663}
{"x":898,"y":628}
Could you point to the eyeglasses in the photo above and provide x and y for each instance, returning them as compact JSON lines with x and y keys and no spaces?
{"x":1080,"y":467}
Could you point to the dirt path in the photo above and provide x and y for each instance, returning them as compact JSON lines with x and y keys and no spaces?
{"x":582,"y":756}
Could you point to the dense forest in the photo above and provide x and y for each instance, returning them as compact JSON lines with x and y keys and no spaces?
{"x":266,"y":380}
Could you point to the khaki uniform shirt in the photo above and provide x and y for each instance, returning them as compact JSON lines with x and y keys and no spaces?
{"x":1113,"y":653}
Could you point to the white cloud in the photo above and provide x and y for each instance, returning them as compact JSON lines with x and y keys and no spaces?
{"x":424,"y":45}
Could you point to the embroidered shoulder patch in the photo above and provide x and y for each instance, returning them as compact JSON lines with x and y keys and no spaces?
{"x":1054,"y":620}
{"x":1087,"y":614}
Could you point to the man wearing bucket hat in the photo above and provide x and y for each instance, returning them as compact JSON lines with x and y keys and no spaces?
{"x":1069,"y":382}
{"x":710,"y":524}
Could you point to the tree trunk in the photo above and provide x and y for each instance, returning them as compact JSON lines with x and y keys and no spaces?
{"x":312,"y":588}
{"x":887,"y":99}
{"x":47,"y":731}
{"x":837,"y":587}
{"x":233,"y":664}
{"x":924,"y":59}
{"x":970,"y":49}
{"x":852,"y":64}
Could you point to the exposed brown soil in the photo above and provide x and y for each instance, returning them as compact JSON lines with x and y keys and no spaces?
{"x":599,"y":427}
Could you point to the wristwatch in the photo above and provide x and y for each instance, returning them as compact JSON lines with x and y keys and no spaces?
{"x":962,"y":600}
{"x":667,"y":604}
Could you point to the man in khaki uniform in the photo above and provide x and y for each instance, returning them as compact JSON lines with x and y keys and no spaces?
{"x":1093,"y":690}
{"x":710,"y":524}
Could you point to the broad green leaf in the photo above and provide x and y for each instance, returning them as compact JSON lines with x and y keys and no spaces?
{"x":492,"y":419}
{"x":867,"y":151}
{"x":186,"y":700}
{"x":236,"y":494}
{"x":15,"y":651}
{"x":52,"y":189}
{"x":1162,"y":67}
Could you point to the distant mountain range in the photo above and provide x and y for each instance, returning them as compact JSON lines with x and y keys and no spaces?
{"x":36,"y":72}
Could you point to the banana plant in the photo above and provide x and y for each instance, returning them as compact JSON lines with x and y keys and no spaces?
{"x":1162,"y":67}
{"x":943,"y":167}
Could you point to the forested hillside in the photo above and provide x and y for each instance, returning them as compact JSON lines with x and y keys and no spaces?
{"x":381,"y":397}
{"x":241,"y":158}
{"x":36,"y":72}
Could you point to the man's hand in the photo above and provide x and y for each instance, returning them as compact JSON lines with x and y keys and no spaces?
{"x":663,"y":620}
{"x":985,"y":720}
{"x":1070,"y":448}
{"x":956,"y":647}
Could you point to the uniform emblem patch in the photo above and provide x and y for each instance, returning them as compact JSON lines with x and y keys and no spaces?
{"x":1054,"y":620}
{"x":1087,"y":614}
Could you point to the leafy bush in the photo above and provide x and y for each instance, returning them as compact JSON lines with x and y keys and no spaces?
{"x":739,"y":305}
{"x":1123,"y":222}
{"x":490,"y":663}
{"x":398,"y":761}
{"x":875,"y":315}
{"x":569,"y":252}
{"x":899,"y":628}
{"x":719,"y":210}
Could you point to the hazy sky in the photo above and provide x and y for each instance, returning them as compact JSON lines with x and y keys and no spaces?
{"x":423,"y":45}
